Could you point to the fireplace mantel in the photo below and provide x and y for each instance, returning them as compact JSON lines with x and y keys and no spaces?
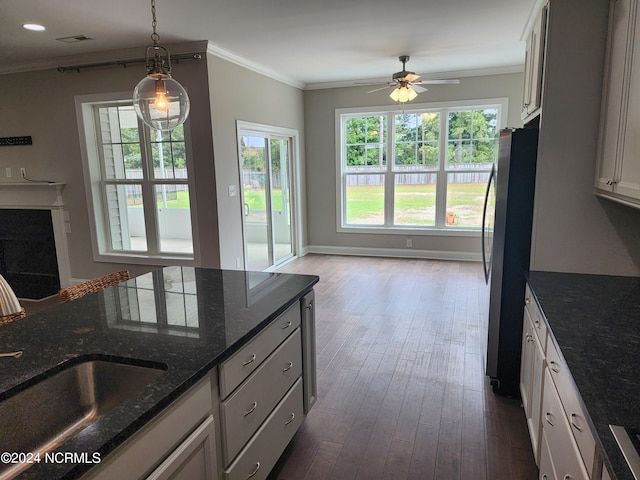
{"x":31,"y":195}
{"x":42,"y":196}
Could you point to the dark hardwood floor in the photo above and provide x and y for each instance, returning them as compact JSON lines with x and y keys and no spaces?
{"x":401,"y":387}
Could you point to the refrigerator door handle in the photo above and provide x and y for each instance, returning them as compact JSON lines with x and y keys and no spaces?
{"x":486,"y":265}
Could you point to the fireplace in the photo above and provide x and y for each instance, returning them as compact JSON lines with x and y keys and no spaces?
{"x":28,"y":259}
{"x":33,"y":245}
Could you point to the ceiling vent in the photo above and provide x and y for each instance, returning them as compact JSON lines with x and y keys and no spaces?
{"x":74,"y":39}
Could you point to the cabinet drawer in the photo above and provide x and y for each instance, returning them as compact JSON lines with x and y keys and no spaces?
{"x":262,"y":452}
{"x":573,"y":408}
{"x":238,"y":367}
{"x":244,"y":411}
{"x":539,"y":324}
{"x":565,"y":456}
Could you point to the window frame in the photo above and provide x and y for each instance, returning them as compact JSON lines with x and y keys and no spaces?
{"x":95,"y":182}
{"x":440,"y":228}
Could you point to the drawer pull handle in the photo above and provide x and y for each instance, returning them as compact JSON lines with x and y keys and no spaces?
{"x":288,"y":367}
{"x":554,"y":367}
{"x":293,"y":415}
{"x":251,"y":360}
{"x":549,"y":418}
{"x":287,"y":325}
{"x":255,"y":471}
{"x":536,"y":323}
{"x":309,"y":307}
{"x":253,"y":407}
{"x":567,"y":477}
{"x":574,"y":423}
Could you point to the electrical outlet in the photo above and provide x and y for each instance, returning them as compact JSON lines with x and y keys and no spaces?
{"x":409,"y":243}
{"x":23,"y":172}
{"x":8,"y":172}
{"x":232,"y":191}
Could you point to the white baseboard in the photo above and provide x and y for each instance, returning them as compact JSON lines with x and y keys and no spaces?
{"x":394,"y":252}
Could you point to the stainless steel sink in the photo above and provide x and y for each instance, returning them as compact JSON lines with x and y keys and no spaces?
{"x":41,"y":417}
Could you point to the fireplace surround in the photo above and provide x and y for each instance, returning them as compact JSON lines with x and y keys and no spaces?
{"x":33,"y":245}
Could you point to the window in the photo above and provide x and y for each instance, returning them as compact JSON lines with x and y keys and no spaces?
{"x":139,"y":185}
{"x":420,"y":169}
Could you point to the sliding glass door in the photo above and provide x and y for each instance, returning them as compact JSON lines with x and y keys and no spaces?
{"x":265,"y":161}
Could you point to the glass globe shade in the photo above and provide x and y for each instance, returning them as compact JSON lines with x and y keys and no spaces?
{"x":161,"y":102}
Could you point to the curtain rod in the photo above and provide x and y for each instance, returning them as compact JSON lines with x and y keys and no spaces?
{"x":124,"y":63}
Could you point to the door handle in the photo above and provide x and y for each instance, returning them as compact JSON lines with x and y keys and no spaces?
{"x":486,"y":267}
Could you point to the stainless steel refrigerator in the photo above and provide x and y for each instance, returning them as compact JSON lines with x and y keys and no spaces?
{"x":506,"y":247}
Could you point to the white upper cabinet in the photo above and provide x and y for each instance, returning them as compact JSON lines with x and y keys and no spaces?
{"x":533,"y":66}
{"x":618,"y":168}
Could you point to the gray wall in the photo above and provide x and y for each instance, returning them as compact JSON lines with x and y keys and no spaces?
{"x":41,"y":104}
{"x":320,"y":108}
{"x":260,"y":100}
{"x":575,"y":231}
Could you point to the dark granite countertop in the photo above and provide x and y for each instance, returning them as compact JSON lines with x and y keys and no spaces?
{"x":182,"y":318}
{"x":595,"y":320}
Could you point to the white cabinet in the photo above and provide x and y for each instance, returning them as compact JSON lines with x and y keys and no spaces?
{"x":194,"y":459}
{"x":565,"y":456}
{"x":266,"y":389}
{"x":532,"y":369}
{"x":618,"y":168}
{"x":563,"y":442}
{"x":236,"y":422}
{"x":533,"y":66}
{"x":179,"y":443}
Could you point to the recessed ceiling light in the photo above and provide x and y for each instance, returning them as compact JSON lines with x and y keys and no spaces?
{"x":34,"y":27}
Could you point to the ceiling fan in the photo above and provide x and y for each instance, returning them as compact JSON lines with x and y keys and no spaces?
{"x":407,"y":86}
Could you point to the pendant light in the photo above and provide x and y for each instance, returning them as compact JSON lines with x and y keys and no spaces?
{"x":160,"y":101}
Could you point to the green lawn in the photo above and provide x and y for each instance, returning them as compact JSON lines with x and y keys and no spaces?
{"x":415,"y":204}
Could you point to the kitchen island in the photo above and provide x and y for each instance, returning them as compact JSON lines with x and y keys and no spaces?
{"x":188,"y":322}
{"x":595,"y":325}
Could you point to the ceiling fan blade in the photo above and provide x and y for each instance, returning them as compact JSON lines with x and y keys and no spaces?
{"x":418,"y":88}
{"x":378,"y":89}
{"x":439,"y":82}
{"x":411,"y":77}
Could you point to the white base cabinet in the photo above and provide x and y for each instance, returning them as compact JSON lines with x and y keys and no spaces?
{"x":563,"y":442}
{"x":235,"y":428}
{"x":532,"y":370}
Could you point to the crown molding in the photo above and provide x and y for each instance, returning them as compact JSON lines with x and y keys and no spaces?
{"x":122,"y":55}
{"x":478,"y":72}
{"x":233,"y":57}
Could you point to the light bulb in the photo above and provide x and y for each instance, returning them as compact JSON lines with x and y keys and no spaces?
{"x":161,"y":102}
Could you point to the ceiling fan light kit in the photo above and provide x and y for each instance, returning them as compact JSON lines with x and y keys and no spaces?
{"x":159,"y":100}
{"x":403,"y":94}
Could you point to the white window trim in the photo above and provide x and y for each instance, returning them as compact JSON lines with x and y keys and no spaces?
{"x":91,"y":171}
{"x":502,"y":102}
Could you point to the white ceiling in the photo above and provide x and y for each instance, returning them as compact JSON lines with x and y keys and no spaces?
{"x":311,"y":43}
